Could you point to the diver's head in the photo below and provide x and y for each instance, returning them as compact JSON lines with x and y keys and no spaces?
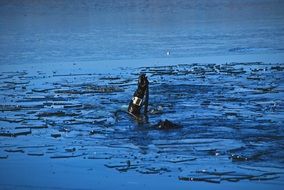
{"x":143,"y":81}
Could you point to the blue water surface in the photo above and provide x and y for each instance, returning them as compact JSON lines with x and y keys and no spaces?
{"x":48,"y":31}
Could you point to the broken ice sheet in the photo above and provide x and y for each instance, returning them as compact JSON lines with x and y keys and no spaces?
{"x":15,"y":133}
{"x":227,"y":111}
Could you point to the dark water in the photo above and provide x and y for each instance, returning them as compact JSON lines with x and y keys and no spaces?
{"x":231,"y":117}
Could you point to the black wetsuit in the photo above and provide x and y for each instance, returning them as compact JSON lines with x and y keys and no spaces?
{"x":137,"y":102}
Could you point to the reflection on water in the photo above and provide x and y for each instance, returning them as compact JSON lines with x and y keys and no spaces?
{"x":231,"y":118}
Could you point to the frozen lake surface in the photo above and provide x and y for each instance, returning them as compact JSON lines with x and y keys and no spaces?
{"x":48,"y":31}
{"x":231,"y":117}
{"x":68,"y":71}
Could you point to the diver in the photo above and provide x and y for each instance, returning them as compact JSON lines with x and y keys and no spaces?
{"x":140,"y":98}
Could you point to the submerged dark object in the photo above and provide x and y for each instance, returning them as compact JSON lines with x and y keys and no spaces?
{"x":140,"y":97}
{"x":166,"y":124}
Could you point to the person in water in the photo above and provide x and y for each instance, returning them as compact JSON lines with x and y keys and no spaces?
{"x":140,"y":97}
